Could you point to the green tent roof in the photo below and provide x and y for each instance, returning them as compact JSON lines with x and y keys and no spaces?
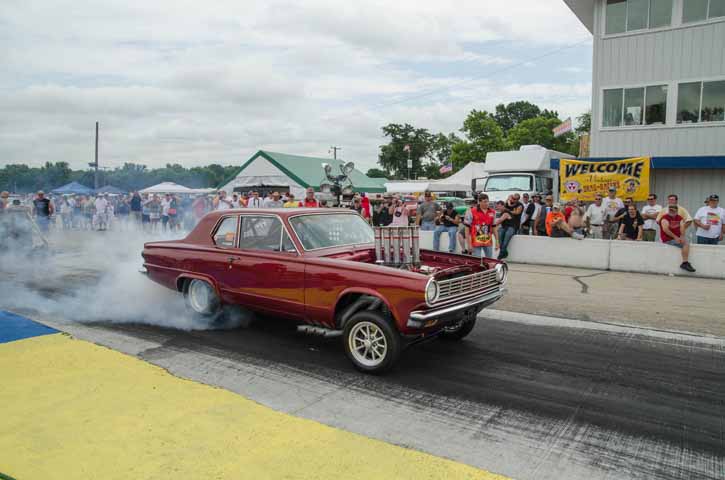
{"x":307,"y":171}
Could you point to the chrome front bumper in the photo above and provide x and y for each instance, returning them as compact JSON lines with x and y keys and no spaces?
{"x":422,"y":318}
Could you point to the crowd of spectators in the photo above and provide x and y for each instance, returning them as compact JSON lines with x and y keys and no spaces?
{"x":483,"y":228}
{"x":486,"y":227}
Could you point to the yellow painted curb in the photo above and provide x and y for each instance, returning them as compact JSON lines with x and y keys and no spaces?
{"x":75,"y":410}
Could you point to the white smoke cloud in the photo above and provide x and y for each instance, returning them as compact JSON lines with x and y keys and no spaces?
{"x":89,"y":276}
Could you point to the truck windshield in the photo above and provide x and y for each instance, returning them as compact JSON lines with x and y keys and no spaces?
{"x":507,"y":183}
{"x":331,"y":230}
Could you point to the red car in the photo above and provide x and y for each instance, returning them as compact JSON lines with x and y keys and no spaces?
{"x":329,"y":270}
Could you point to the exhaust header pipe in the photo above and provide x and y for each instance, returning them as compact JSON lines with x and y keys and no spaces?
{"x":396,"y":246}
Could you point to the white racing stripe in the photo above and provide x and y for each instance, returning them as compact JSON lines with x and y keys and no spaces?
{"x":529,"y":319}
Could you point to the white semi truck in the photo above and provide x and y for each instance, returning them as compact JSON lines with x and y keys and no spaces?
{"x":526,"y":170}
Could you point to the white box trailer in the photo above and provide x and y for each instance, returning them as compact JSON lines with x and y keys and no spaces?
{"x":526,"y":170}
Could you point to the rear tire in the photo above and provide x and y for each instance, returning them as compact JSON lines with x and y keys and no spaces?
{"x":459,"y":330}
{"x":203,"y":302}
{"x":371,"y":343}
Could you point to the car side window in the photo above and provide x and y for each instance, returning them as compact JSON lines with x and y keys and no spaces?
{"x":226,"y":233}
{"x":287,"y":244}
{"x":261,"y":233}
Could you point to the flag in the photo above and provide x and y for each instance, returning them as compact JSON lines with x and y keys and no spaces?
{"x":406,"y":148}
{"x":563,"y":128}
{"x":446,"y":168}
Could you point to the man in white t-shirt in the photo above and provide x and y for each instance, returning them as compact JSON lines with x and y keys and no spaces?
{"x":612,"y":205}
{"x":101,"y":205}
{"x":710,"y":220}
{"x":595,"y":217}
{"x":650,"y":212}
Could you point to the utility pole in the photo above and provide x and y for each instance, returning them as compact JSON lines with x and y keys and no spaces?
{"x":94,"y":165}
{"x":334,"y":150}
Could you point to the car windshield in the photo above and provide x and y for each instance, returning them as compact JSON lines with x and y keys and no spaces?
{"x":503,"y":183}
{"x":331,"y":230}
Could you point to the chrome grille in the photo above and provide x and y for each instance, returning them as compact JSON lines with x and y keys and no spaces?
{"x":477,"y":283}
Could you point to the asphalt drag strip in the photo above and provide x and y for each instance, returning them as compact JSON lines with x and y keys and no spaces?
{"x":524,"y":396}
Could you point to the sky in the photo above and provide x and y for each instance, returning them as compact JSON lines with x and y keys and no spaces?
{"x":194,"y":83}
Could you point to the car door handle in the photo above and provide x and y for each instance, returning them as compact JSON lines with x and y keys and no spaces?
{"x":232,"y":259}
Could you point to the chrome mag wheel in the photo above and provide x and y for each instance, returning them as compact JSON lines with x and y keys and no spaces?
{"x":201,"y":297}
{"x":367,"y":344}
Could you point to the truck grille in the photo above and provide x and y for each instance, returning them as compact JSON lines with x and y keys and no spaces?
{"x":476,"y":284}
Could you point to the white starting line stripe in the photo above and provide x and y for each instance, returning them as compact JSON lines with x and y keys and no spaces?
{"x":529,"y":319}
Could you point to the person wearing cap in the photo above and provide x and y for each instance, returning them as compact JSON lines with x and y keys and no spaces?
{"x":710,"y":221}
{"x":613,"y":205}
{"x":447,"y":221}
{"x":42,"y":208}
{"x":357,"y":206}
{"x":540,"y":220}
{"x":310,"y":201}
{"x":527,"y":215}
{"x":557,"y":226}
{"x":427,"y":213}
{"x":672,"y":232}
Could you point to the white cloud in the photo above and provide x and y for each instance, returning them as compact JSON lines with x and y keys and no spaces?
{"x":175,"y":81}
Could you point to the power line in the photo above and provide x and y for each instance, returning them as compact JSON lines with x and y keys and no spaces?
{"x":471,"y":79}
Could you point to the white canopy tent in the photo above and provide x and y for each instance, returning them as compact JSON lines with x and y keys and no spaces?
{"x":168,"y":187}
{"x":407,"y":187}
{"x":461,"y":180}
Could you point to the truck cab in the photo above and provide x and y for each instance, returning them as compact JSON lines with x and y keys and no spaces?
{"x":527,"y":170}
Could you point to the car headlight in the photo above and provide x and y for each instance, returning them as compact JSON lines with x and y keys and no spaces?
{"x":431,"y":291}
{"x":501,"y":272}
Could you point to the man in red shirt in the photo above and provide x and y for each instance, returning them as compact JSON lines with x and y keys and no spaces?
{"x":481,"y":220}
{"x":310,"y":201}
{"x":672,"y":232}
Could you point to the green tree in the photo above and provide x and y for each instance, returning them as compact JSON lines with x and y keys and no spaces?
{"x":377,"y":173}
{"x":539,"y":131}
{"x":483,"y":135}
{"x":394,"y":159}
{"x":584,"y":122}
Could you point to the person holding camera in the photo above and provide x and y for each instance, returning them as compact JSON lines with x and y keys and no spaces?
{"x":447,"y":221}
{"x":399,"y":213}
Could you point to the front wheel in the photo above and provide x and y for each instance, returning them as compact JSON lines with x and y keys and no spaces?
{"x":460,"y":329}
{"x":371,"y":343}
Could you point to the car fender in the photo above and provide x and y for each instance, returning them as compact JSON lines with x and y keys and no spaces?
{"x":369,"y":292}
{"x":199,"y":276}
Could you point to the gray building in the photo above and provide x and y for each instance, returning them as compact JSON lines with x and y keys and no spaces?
{"x":658,"y":89}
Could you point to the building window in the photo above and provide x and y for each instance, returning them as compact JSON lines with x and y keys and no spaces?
{"x":655,"y":110}
{"x":629,"y":15}
{"x":701,"y":102}
{"x":699,"y":10}
{"x":635,"y":106}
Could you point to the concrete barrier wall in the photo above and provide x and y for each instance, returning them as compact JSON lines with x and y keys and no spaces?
{"x":624,"y":256}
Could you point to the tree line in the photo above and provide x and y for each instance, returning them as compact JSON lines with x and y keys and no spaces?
{"x":508,"y":128}
{"x":130,"y":177}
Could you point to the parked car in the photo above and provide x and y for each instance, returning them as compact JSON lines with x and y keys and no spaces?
{"x":333,"y":273}
{"x":459,"y":204}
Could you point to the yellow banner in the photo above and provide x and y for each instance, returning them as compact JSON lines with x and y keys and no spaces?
{"x":583,"y":180}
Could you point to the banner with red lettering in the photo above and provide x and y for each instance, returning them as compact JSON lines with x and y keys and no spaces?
{"x":583,"y":180}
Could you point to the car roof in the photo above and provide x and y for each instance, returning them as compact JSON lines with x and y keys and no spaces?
{"x":281,"y":212}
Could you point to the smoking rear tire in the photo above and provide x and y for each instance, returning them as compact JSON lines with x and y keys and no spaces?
{"x":201,"y":299}
{"x":459,"y":330}
{"x":371,"y":343}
